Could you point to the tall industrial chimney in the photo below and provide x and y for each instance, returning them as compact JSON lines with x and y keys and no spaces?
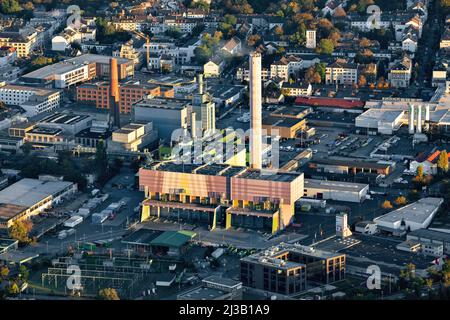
{"x":427,"y":116}
{"x":114,"y":95}
{"x":411,"y":119}
{"x":419,"y":119}
{"x":200,"y":83}
{"x":255,"y":111}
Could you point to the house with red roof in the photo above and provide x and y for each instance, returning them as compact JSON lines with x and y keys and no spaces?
{"x":427,"y":161}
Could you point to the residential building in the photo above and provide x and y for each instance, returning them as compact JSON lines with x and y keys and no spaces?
{"x":341,"y":72}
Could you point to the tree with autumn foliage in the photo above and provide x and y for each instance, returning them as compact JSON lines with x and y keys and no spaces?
{"x":386,"y":204}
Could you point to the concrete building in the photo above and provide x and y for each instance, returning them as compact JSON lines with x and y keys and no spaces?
{"x":376,"y":121}
{"x":29,"y":197}
{"x":167,"y":115}
{"x":23,"y":43}
{"x":311,"y":41}
{"x":132,"y":137}
{"x":204,"y":108}
{"x":341,"y":72}
{"x":255,"y":111}
{"x":425,"y":236}
{"x":413,"y":216}
{"x":214,"y":288}
{"x":98,"y":93}
{"x":287,"y":128}
{"x":77,"y":70}
{"x":288,"y":269}
{"x":335,"y":190}
{"x":69,"y":123}
{"x":400,"y":73}
{"x":350,"y":166}
{"x":296,"y":89}
{"x":220,"y":194}
{"x":33,"y":100}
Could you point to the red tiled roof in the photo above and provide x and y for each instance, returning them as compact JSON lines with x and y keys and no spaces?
{"x":329,"y":102}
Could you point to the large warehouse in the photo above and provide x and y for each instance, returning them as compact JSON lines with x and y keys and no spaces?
{"x":414,"y":216}
{"x":29,"y":197}
{"x":335,"y":190}
{"x":380,"y":121}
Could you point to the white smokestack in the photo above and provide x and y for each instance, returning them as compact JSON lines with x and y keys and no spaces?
{"x":427,"y":116}
{"x":419,"y":119}
{"x":255,"y":111}
{"x":193,"y":125}
{"x":411,"y":119}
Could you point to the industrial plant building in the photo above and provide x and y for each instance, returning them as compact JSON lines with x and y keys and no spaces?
{"x":169,"y":114}
{"x":413,"y":216}
{"x":29,"y":197}
{"x":287,"y":268}
{"x":335,"y":190}
{"x":98,"y":94}
{"x":77,"y":70}
{"x":220,"y":195}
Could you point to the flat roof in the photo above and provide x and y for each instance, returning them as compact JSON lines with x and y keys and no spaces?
{"x":330,"y":102}
{"x":381,"y":114}
{"x":431,"y":234}
{"x":260,"y":175}
{"x":417,"y":212}
{"x":351,"y":163}
{"x":42,"y":130}
{"x":27,"y":192}
{"x":87,"y":133}
{"x":280,"y":122}
{"x":335,"y":185}
{"x":9,"y":211}
{"x":37,"y":90}
{"x":72,"y":64}
{"x":174,"y":239}
{"x":163,"y":103}
{"x":291,"y":111}
{"x":62,"y":118}
{"x":203,"y":293}
{"x":141,"y":237}
{"x":226,"y":282}
{"x":268,"y":256}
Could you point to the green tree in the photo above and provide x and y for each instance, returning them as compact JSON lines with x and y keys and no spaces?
{"x":23,"y":272}
{"x":20,"y":230}
{"x":26,"y":148}
{"x":109,"y":294}
{"x":10,"y":6}
{"x":325,"y":46}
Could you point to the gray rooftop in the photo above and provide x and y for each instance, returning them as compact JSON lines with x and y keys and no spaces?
{"x":335,"y":185}
{"x":417,"y":212}
{"x":28,"y":192}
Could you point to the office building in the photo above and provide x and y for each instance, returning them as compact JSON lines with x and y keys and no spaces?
{"x":288,"y":268}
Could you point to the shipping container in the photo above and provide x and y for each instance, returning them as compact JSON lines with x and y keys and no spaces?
{"x":73,"y":221}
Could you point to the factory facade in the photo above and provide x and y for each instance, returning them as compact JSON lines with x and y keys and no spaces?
{"x":220,"y":195}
